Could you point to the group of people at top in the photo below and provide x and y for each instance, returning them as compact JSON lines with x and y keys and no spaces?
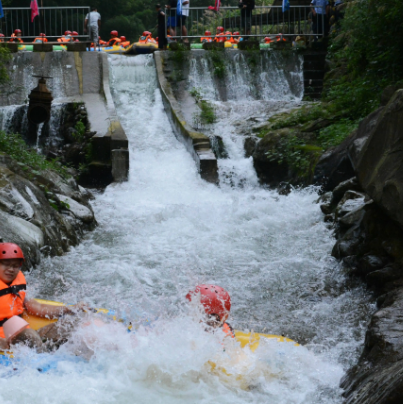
{"x":221,"y":36}
{"x":213,"y":300}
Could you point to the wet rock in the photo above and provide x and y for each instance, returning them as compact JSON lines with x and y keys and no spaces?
{"x":352,"y":218}
{"x":382,"y":276}
{"x":370,"y":263}
{"x":348,"y":185}
{"x":325,"y":198}
{"x":250,"y":146}
{"x":388,"y":92}
{"x":326,"y":208}
{"x":79,"y":211}
{"x":351,"y":201}
{"x":329,"y":218}
{"x":379,"y":167}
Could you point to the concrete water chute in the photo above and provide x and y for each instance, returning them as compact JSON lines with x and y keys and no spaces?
{"x":40,"y":103}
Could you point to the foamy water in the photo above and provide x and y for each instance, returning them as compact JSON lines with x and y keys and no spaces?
{"x":160,"y":234}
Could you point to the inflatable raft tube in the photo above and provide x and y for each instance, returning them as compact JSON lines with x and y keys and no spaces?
{"x":30,"y":48}
{"x":246,"y":339}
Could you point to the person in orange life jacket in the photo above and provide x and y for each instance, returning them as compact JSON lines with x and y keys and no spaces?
{"x":16,"y":36}
{"x":115,"y":40}
{"x":124,"y":42}
{"x":236,"y":37}
{"x":13,"y":301}
{"x":66,"y":37}
{"x":228,"y":37}
{"x":216,"y":303}
{"x":41,"y":39}
{"x":101,"y":42}
{"x":207,"y":37}
{"x":74,"y":36}
{"x":220,"y":36}
{"x":1,"y":37}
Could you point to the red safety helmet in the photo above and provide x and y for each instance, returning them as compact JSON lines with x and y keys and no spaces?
{"x":114,"y":33}
{"x":10,"y":251}
{"x":146,"y":33}
{"x":228,"y":33}
{"x":215,"y":300}
{"x":74,"y":33}
{"x":123,"y":38}
{"x":67,"y":33}
{"x":42,"y":34}
{"x":236,"y":33}
{"x":1,"y":35}
{"x":220,"y":29}
{"x":207,"y":33}
{"x":17,"y":31}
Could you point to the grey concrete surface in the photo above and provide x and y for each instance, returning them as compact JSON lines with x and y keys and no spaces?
{"x":197,"y":143}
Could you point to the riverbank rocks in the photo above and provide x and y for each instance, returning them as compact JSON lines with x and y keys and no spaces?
{"x":41,"y":211}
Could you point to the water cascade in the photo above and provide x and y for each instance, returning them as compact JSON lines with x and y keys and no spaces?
{"x":166,"y":230}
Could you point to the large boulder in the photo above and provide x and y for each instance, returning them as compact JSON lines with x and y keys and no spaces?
{"x":380,"y":163}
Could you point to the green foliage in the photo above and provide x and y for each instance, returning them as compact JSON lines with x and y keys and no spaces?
{"x":370,"y":46}
{"x":5,"y":56}
{"x":218,"y":63}
{"x":195,"y":92}
{"x":336,"y":133}
{"x":306,"y":113}
{"x":80,"y":129}
{"x":15,"y":147}
{"x":206,"y":115}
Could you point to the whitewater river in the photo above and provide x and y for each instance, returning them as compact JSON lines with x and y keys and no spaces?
{"x":163,"y":232}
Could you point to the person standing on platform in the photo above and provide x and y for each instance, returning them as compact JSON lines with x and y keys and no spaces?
{"x":246,"y":7}
{"x":93,"y":24}
{"x":162,"y":31}
{"x":320,"y":11}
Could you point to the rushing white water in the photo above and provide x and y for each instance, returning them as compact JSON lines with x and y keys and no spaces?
{"x":161,"y":233}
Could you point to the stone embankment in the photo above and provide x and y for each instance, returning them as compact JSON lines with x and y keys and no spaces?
{"x":41,"y":211}
{"x":364,"y":178}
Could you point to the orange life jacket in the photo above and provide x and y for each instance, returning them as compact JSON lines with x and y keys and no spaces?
{"x":113,"y":41}
{"x":228,"y":330}
{"x":125,"y":43}
{"x":206,"y":39}
{"x":12,"y":299}
{"x":236,"y":40}
{"x":220,"y":38}
{"x":64,"y":39}
{"x":16,"y":39}
{"x":228,"y":38}
{"x":40,"y":40}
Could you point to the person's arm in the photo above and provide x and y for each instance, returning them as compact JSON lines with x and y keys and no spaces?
{"x":99,"y":21}
{"x":184,"y":3}
{"x":4,"y":344}
{"x":48,"y":311}
{"x":313,"y":9}
{"x":85,"y":24}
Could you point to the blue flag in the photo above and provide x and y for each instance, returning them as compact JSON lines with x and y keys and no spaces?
{"x":1,"y":10}
{"x":178,"y":8}
{"x":286,"y":5}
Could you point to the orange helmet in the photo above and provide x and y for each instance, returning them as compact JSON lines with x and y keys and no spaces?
{"x":67,"y":33}
{"x":10,"y":251}
{"x":220,"y":29}
{"x":17,"y":31}
{"x":114,"y":33}
{"x":214,"y":299}
{"x":123,"y":38}
{"x":207,"y":33}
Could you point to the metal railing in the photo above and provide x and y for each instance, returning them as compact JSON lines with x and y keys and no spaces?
{"x":53,"y":21}
{"x":260,"y":22}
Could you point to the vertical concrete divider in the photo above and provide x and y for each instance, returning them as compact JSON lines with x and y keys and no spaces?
{"x":197,"y":143}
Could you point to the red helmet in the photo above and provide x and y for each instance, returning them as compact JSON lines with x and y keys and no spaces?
{"x":236,"y":33}
{"x":74,"y":33}
{"x":215,"y":300}
{"x":146,"y":33}
{"x":17,"y":31}
{"x":42,"y":34}
{"x":123,"y":38}
{"x":10,"y":251}
{"x":114,"y":33}
{"x":1,"y":35}
{"x":207,"y":33}
{"x":67,"y":33}
{"x":228,"y":33}
{"x":220,"y":29}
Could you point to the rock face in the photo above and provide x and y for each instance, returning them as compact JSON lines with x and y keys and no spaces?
{"x":367,"y":211}
{"x":381,"y":174}
{"x":44,"y":213}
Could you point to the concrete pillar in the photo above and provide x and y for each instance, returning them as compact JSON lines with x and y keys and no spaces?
{"x":120,"y":165}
